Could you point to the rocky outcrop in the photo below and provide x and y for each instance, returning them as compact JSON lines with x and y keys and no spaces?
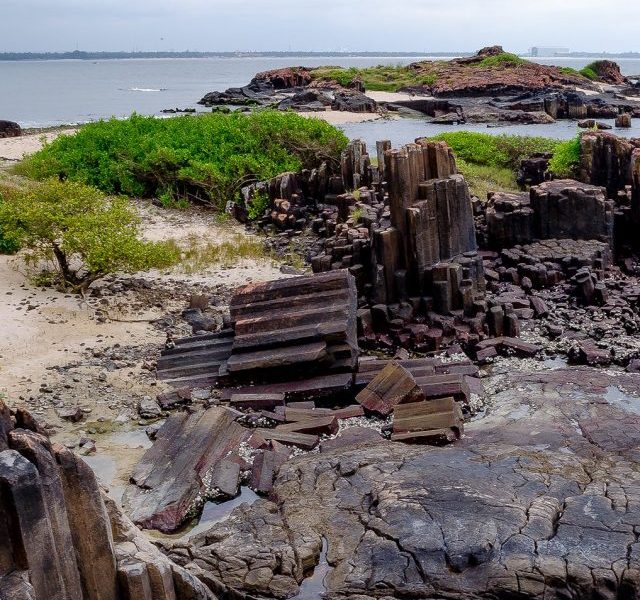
{"x":279,"y":79}
{"x":61,"y":538}
{"x":608,"y":71}
{"x":9,"y":129}
{"x":559,"y":209}
{"x":353,"y":101}
{"x":539,"y":500}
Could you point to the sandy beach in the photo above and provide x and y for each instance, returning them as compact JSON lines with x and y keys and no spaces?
{"x":16,"y":148}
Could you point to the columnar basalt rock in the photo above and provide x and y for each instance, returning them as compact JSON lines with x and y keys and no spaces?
{"x":567,"y":209}
{"x":509,"y":219}
{"x":62,"y":539}
{"x":606,"y":160}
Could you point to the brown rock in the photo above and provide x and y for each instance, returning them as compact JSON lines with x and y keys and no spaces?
{"x":392,"y":386}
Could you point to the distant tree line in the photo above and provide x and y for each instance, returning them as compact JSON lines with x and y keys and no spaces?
{"x":80,"y":55}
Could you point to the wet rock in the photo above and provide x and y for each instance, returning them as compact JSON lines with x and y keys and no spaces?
{"x":623,"y":120}
{"x":593,"y":124}
{"x":353,"y":101}
{"x":544,"y":490}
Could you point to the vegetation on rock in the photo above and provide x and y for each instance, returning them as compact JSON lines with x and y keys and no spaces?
{"x":504,"y":58}
{"x":566,"y":158}
{"x":206,"y":158}
{"x":501,"y":151}
{"x":489,"y":162}
{"x":383,"y":78}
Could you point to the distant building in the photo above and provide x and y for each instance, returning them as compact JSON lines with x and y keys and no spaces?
{"x":544,"y":51}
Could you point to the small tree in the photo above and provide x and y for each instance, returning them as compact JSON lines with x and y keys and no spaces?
{"x":84,"y":234}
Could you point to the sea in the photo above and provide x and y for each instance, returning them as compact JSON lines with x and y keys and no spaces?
{"x":40,"y":94}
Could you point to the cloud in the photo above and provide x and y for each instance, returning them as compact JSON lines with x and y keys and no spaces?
{"x":417,"y":25}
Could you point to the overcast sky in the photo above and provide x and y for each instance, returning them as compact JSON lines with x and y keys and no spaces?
{"x":356,"y":25}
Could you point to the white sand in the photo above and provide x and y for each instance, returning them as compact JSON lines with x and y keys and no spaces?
{"x":395,"y":96}
{"x":335,"y":117}
{"x":16,"y":148}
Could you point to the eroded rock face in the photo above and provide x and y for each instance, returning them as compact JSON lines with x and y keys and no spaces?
{"x":540,"y":500}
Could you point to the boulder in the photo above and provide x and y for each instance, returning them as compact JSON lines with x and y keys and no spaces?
{"x":9,"y":129}
{"x":353,"y":101}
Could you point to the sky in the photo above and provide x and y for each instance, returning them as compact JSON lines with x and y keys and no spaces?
{"x":317,"y":25}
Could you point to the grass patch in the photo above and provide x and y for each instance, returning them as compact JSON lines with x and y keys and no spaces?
{"x":197,"y":257}
{"x":569,"y":71}
{"x":505,"y":58}
{"x":501,"y":151}
{"x":483,"y":179}
{"x":489,"y":162}
{"x":205,"y":158}
{"x":383,"y":78}
{"x":592,"y":70}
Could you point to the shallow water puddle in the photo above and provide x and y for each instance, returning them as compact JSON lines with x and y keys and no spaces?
{"x":214,"y":512}
{"x":313,"y":587}
{"x":117,"y":453}
{"x":614,"y":395}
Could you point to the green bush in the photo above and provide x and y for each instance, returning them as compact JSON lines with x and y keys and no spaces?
{"x":501,"y":151}
{"x":589,"y":73}
{"x":8,"y":245}
{"x":206,"y":157}
{"x":79,"y":231}
{"x":566,"y":158}
{"x":592,"y":70}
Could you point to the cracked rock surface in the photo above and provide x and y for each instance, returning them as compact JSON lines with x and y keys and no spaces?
{"x":541,"y":499}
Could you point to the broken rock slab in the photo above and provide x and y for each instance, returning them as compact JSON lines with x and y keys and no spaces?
{"x":392,"y":386}
{"x":434,"y":422}
{"x":175,"y":474}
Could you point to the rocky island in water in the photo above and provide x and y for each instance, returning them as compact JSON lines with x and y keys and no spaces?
{"x":378,"y":382}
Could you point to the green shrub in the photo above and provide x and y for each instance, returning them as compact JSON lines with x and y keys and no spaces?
{"x":83,"y":234}
{"x":258,"y":205}
{"x":589,"y":73}
{"x":566,"y":158}
{"x":8,"y":245}
{"x":592,"y":70}
{"x":501,"y":151}
{"x":206,"y":157}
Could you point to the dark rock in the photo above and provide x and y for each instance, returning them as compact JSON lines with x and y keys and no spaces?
{"x":9,"y":129}
{"x":353,"y":101}
{"x":522,"y":506}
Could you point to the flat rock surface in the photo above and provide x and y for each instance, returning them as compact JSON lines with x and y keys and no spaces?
{"x":540,"y":499}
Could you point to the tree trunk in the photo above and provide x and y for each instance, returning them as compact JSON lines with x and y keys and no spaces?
{"x":65,"y":271}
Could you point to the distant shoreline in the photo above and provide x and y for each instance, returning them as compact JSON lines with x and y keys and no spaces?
{"x":81,"y":55}
{"x":78,"y":55}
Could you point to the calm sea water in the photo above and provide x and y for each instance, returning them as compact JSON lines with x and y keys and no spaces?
{"x":45,"y":93}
